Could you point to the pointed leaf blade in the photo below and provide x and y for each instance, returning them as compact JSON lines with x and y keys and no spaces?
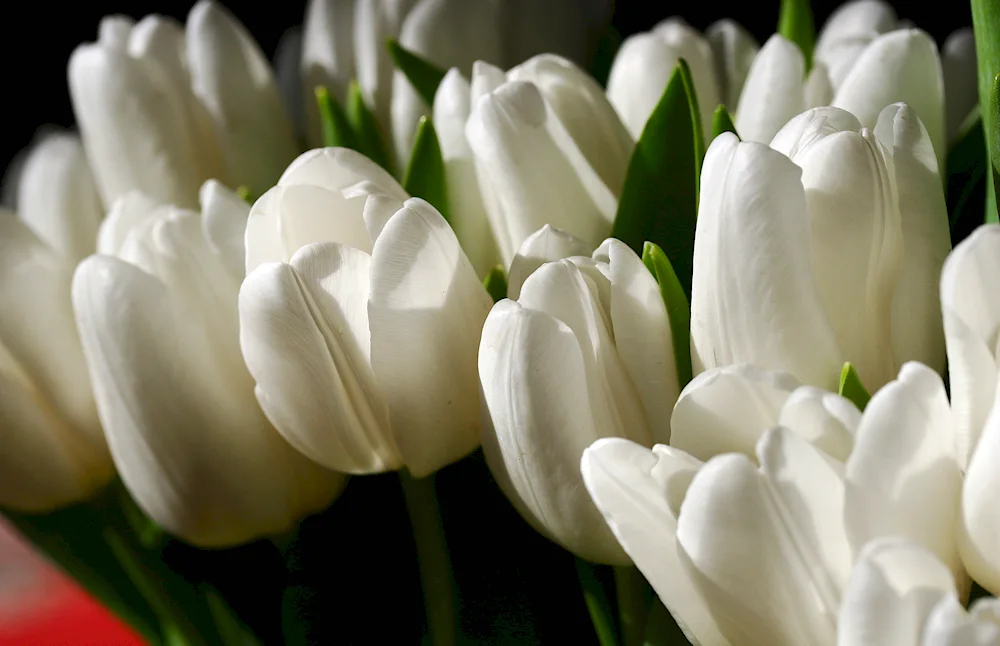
{"x":852,"y":388}
{"x":425,"y":177}
{"x":424,"y":76}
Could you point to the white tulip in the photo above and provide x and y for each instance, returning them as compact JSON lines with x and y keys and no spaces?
{"x":961,"y":90}
{"x":733,"y":50}
{"x":971,"y":310}
{"x":760,"y":551}
{"x":447,"y":33}
{"x":235,"y":83}
{"x":545,"y":245}
{"x":646,"y":61}
{"x":549,"y":149}
{"x":327,"y":56}
{"x":360,"y":319}
{"x":137,"y":115}
{"x":900,"y":594}
{"x":585,"y":352}
{"x":54,"y":451}
{"x":846,"y":34}
{"x":801,"y":264}
{"x":57,"y":197}
{"x":160,"y":331}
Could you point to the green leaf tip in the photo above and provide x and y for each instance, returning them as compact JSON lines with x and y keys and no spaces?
{"x":243,"y":191}
{"x":425,"y":176}
{"x":370,"y":139}
{"x":722,"y":122}
{"x":796,"y":24}
{"x":678,"y":308}
{"x":851,"y":387}
{"x":659,"y":200}
{"x":496,"y":283}
{"x":424,"y":76}
{"x":337,"y":130}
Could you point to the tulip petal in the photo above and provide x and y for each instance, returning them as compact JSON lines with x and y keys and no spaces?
{"x":902,"y":477}
{"x":979,"y":533}
{"x":233,"y":79}
{"x":545,"y":245}
{"x":773,"y":92}
{"x":536,"y":173}
{"x":761,"y":546}
{"x":57,"y":196}
{"x":971,"y":308}
{"x":893,"y":587}
{"x":327,"y":55}
{"x":426,"y":312}
{"x":181,"y":422}
{"x":305,"y":338}
{"x":901,"y":66}
{"x":376,"y":21}
{"x":917,"y":333}
{"x":641,"y":329}
{"x":128,"y":212}
{"x":825,"y":419}
{"x":639,"y":492}
{"x":224,"y":223}
{"x":533,"y":382}
{"x":468,"y":213}
{"x":728,"y":409}
{"x":753,"y":297}
{"x":949,"y":623}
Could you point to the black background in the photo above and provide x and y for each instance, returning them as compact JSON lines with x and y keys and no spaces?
{"x":39,"y":40}
{"x":351,"y":571}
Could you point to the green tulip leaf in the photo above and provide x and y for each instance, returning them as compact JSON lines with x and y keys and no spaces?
{"x":678,"y":309}
{"x":337,"y":130}
{"x":425,"y":176}
{"x":496,"y":283}
{"x":851,"y":387}
{"x":598,"y":602}
{"x":370,"y":139}
{"x":659,"y":201}
{"x":662,"y":629}
{"x":424,"y":76}
{"x":604,"y":57}
{"x":966,"y":182}
{"x":722,"y":122}
{"x":986,"y":28}
{"x":796,"y":24}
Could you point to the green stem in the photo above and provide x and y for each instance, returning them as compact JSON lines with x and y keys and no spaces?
{"x":432,"y":555}
{"x":633,"y":604}
{"x":598,"y":604}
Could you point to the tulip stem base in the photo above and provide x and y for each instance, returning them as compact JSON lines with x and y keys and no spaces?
{"x":432,"y":555}
{"x":633,"y":604}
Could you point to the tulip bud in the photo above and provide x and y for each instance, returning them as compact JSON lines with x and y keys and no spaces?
{"x":646,"y":61}
{"x":57,"y":197}
{"x":545,"y":245}
{"x":159,"y":327}
{"x":327,"y":56}
{"x":733,"y":50}
{"x":774,"y":91}
{"x":846,"y":34}
{"x":233,"y":79}
{"x":54,"y":451}
{"x":136,"y":117}
{"x":531,"y":170}
{"x":851,"y":193}
{"x":584,"y":353}
{"x":366,"y":363}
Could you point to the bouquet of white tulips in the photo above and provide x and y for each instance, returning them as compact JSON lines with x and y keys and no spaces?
{"x":469,"y":322}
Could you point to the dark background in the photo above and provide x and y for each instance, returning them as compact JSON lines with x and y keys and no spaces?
{"x":37,"y":44}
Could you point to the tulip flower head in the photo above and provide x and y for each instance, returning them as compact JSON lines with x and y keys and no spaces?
{"x":821,"y":249}
{"x":360,"y":318}
{"x":585,"y":352}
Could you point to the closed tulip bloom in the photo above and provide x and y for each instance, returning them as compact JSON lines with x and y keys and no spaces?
{"x":733,"y":50}
{"x":549,"y":149}
{"x":234,"y":81}
{"x":57,"y":197}
{"x":901,"y":594}
{"x":361,"y":331}
{"x":585,"y":352}
{"x":773,"y":284}
{"x":137,"y":117}
{"x":327,"y":55}
{"x":971,"y":310}
{"x":846,"y":34}
{"x":645,"y":62}
{"x":758,"y":549}
{"x":54,"y":451}
{"x":160,"y":331}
